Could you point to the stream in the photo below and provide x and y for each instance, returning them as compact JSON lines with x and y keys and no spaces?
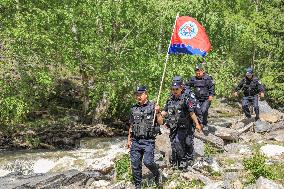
{"x":94,"y":153}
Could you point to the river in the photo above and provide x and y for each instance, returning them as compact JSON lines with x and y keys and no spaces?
{"x":94,"y":153}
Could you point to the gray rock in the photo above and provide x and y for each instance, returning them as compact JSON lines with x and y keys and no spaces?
{"x":199,"y":147}
{"x":261,"y":126}
{"x":263,"y":183}
{"x":276,"y":135}
{"x":212,"y":139}
{"x":245,"y":128}
{"x":118,"y":185}
{"x":264,"y":107}
{"x":272,"y":150}
{"x":216,"y":185}
{"x":207,"y":165}
{"x":238,"y":125}
{"x":194,"y":175}
{"x":277,"y":126}
{"x":251,"y":136}
{"x":226,"y":133}
{"x":236,"y":148}
{"x":50,"y":180}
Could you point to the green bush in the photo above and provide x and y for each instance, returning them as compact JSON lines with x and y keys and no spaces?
{"x":123,"y":168}
{"x":257,"y":167}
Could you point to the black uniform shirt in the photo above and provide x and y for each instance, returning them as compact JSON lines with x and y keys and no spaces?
{"x":209,"y":83}
{"x":250,"y":87}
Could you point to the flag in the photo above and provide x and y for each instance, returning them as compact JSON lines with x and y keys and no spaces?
{"x":189,"y":37}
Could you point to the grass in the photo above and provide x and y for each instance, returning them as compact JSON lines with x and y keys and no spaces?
{"x":210,"y":150}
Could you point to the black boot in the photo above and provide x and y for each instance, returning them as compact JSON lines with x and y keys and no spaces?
{"x":158,"y":180}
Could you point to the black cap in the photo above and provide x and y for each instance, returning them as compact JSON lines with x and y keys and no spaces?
{"x":176,"y":84}
{"x":249,"y":71}
{"x":140,"y":89}
{"x":177,"y":79}
{"x":198,"y":67}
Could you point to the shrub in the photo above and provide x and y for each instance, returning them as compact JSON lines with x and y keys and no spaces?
{"x":122,"y":168}
{"x":257,"y":167}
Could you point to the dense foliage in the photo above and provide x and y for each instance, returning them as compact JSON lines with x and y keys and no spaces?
{"x":106,"y":48}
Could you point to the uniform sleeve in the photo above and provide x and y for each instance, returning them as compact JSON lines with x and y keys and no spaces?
{"x":240,"y":85}
{"x":131,"y":118}
{"x":211,"y":87}
{"x":260,"y":87}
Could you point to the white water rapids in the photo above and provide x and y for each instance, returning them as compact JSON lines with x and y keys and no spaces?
{"x":96,"y":154}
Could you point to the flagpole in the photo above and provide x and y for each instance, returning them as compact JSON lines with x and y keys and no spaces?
{"x":165,"y":67}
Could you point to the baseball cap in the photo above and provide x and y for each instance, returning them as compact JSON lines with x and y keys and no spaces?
{"x":140,"y":89}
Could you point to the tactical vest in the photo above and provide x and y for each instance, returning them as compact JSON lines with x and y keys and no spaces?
{"x":178,"y":117}
{"x":143,"y":122}
{"x":250,"y":88}
{"x":201,"y":88}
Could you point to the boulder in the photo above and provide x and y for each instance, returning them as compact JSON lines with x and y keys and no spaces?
{"x":272,"y":150}
{"x":199,"y":147}
{"x":211,"y":139}
{"x":251,"y":136}
{"x":245,"y":128}
{"x":271,"y":118}
{"x":226,"y":133}
{"x":236,"y":148}
{"x":263,"y":183}
{"x":277,"y":126}
{"x":50,"y":180}
{"x":261,"y":126}
{"x":207,"y":165}
{"x":277,"y":135}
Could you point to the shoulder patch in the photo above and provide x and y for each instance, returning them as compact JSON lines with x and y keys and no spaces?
{"x":190,"y":104}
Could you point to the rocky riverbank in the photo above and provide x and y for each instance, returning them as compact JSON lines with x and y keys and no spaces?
{"x":237,"y":153}
{"x":57,"y":136}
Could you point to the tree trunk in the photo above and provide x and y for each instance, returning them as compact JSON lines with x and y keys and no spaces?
{"x":84,"y":75}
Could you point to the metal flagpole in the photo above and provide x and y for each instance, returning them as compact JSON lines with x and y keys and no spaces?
{"x":165,"y":67}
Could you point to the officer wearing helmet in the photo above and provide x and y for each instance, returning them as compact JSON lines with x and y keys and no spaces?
{"x":203,"y":87}
{"x":142,"y":133}
{"x":181,"y":120}
{"x":251,"y":87}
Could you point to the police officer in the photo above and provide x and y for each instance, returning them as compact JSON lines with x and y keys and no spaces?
{"x":204,"y":90}
{"x":251,"y":87}
{"x":180,"y":119}
{"x":141,"y":138}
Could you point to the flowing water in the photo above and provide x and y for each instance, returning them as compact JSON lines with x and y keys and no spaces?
{"x":93,"y":153}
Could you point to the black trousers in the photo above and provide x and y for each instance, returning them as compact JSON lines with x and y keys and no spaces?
{"x":182,"y":145}
{"x":247,"y":100}
{"x":202,"y":110}
{"x":142,"y":149}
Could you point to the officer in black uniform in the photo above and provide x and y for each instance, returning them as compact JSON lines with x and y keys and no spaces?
{"x":204,"y":90}
{"x":180,"y":119}
{"x":141,"y":138}
{"x":251,"y":87}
